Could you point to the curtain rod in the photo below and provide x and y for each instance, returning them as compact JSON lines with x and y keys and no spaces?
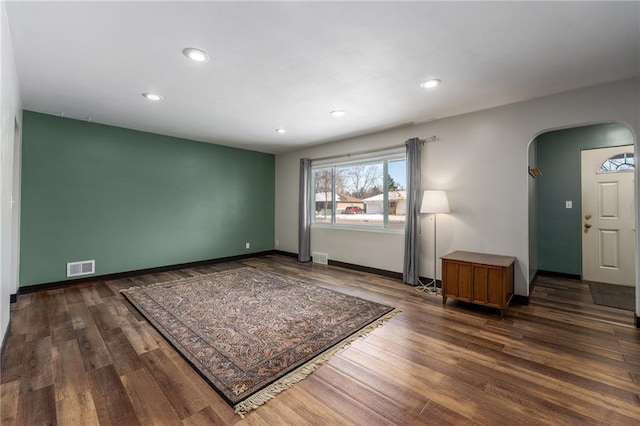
{"x":371,"y":151}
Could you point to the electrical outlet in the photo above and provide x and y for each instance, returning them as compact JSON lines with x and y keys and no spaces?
{"x":568,"y":204}
{"x":277,"y":243}
{"x":247,"y":245}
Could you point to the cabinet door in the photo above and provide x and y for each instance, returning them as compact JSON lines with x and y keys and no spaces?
{"x":457,"y":280}
{"x":488,"y":287}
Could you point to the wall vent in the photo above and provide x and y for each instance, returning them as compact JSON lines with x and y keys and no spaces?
{"x":85,"y":267}
{"x":322,"y":258}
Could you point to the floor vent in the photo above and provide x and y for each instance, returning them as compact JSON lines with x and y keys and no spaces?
{"x":84,"y":267}
{"x":322,"y":258}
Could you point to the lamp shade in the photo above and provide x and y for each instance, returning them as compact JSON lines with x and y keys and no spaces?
{"x":434,"y":202}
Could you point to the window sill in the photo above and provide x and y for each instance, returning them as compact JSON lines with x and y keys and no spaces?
{"x":399,"y":231}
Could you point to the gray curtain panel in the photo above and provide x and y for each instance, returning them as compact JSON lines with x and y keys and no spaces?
{"x":304,"y":211}
{"x":411,"y":269}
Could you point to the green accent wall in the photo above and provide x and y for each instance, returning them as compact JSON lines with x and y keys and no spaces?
{"x":133,"y":200}
{"x":558,"y":157}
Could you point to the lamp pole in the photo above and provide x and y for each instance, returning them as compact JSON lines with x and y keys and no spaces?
{"x":435,"y":254}
{"x":434,"y":202}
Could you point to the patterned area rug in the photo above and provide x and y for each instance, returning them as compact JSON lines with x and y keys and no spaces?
{"x":251,"y":333}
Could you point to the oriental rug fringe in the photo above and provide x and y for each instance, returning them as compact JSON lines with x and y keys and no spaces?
{"x":251,"y":333}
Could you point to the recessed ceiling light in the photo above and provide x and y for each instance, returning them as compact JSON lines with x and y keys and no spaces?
{"x":281,"y":130}
{"x":338,"y":113}
{"x":152,"y":97}
{"x":195,"y":54}
{"x":430,"y":83}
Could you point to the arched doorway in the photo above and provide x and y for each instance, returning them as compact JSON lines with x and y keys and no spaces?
{"x":557,"y":223}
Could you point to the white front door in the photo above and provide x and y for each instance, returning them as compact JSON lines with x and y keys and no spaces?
{"x":608,"y":215}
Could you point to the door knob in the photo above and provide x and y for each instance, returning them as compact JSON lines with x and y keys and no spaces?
{"x":587,"y":225}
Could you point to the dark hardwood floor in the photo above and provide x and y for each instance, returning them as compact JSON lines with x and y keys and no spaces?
{"x":82,"y":355}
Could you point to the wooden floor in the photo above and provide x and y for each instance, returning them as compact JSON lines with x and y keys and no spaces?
{"x":81,"y":355}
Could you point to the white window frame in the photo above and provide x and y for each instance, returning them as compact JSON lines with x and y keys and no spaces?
{"x":384,"y":159}
{"x":630,"y":165}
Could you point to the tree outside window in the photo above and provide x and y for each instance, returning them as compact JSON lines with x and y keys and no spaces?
{"x":369,"y":194}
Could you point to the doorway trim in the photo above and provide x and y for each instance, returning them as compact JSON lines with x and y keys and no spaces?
{"x":532,"y":140}
{"x":608,"y":201}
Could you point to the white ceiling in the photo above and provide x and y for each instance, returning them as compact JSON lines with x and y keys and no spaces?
{"x":288,"y":64}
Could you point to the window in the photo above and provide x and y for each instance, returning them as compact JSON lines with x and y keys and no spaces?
{"x":369,"y":193}
{"x":618,"y":163}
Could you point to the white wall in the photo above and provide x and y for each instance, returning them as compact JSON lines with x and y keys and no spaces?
{"x":10,"y":113}
{"x":480,"y":159}
{"x":533,"y":215}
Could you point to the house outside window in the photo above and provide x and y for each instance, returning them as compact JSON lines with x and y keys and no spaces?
{"x":365,"y":194}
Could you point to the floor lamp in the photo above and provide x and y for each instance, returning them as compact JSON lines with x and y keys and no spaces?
{"x":434,"y":202}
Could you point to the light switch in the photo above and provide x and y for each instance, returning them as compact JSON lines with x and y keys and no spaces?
{"x":568,"y":204}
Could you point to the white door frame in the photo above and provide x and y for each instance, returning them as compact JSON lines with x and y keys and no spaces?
{"x":621,"y":270}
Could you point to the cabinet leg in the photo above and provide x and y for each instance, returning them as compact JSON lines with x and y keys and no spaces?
{"x":444,"y":299}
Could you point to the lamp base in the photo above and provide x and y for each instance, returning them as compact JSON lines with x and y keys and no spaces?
{"x":431,"y":287}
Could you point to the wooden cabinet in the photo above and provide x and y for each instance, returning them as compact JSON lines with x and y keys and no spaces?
{"x":483,"y":279}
